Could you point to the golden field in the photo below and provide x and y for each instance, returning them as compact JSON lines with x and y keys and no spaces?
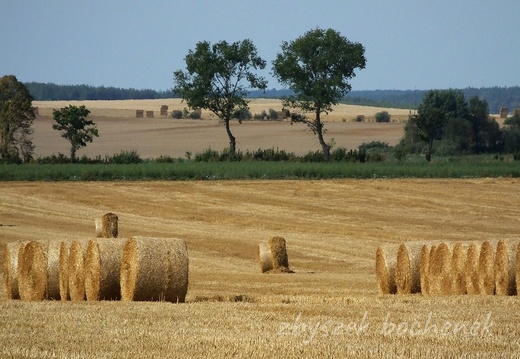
{"x":120,"y":130}
{"x":330,"y":306}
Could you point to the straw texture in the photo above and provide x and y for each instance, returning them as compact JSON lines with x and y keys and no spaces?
{"x":385,"y":270}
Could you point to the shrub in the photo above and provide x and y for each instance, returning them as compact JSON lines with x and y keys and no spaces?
{"x":195,"y":115}
{"x":177,"y":114}
{"x":260,"y":116}
{"x":272,"y":114}
{"x":383,"y":116}
{"x":126,"y":157}
{"x":242,"y":114}
{"x":360,"y":118}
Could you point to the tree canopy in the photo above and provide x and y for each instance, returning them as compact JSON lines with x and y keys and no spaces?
{"x":72,"y":122}
{"x":317,"y":67}
{"x":218,"y":77}
{"x":16,"y":118}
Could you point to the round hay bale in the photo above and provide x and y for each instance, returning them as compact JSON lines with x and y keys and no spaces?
{"x":154,"y":269}
{"x":504,"y":268}
{"x":517,"y":272}
{"x":440,"y":270}
{"x":458,"y":260}
{"x":32,"y":272}
{"x":102,"y":269}
{"x":278,"y":249}
{"x":10,"y":269}
{"x":486,"y":275}
{"x":107,"y":226}
{"x":424,"y":268}
{"x":76,"y":270}
{"x":471,"y":269}
{"x":63,"y":269}
{"x":407,"y":271}
{"x":385,"y":271}
{"x":264,"y":257}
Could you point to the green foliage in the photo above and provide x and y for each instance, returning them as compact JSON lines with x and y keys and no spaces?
{"x":261,"y":116}
{"x":317,"y":67}
{"x":72,"y":122}
{"x":360,"y":118}
{"x":126,"y":157}
{"x":16,"y":118}
{"x":177,"y":114}
{"x":217,"y":78}
{"x":383,"y":116}
{"x":513,"y":121}
{"x":242,"y":114}
{"x":273,"y":115}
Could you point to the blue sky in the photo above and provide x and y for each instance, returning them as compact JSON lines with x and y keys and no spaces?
{"x":410,"y":44}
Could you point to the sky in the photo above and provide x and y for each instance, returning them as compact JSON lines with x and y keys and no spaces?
{"x":409,"y":44}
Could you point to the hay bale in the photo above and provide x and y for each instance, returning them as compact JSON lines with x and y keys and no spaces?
{"x":154,"y":269}
{"x":107,"y":226}
{"x":63,"y":269}
{"x":440,"y":270}
{"x":504,"y":111}
{"x":471,"y":269}
{"x":505,"y":268}
{"x":458,"y":261}
{"x":278,"y":249}
{"x":76,"y":270}
{"x":139,"y":113}
{"x":385,"y":270}
{"x":486,"y":275}
{"x":265,"y":260}
{"x":517,"y":272}
{"x":407,"y":272}
{"x":149,"y":114}
{"x":164,"y":110}
{"x":10,"y":269}
{"x":102,"y":269}
{"x":424,"y":269}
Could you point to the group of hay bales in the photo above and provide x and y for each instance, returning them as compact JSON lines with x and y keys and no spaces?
{"x":272,"y":256}
{"x":101,"y":268}
{"x":442,"y":268}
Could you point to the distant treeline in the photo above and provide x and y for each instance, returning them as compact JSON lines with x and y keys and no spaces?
{"x":496,"y":97}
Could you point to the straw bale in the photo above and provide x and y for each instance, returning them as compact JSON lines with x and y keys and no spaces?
{"x":504,"y":268}
{"x":107,"y":226}
{"x":277,"y":246}
{"x":407,"y":272}
{"x":139,"y":113}
{"x":154,"y":269}
{"x":10,"y":269}
{"x":424,"y":269}
{"x":32,"y":272}
{"x":440,"y":270}
{"x":76,"y":270}
{"x":264,"y":257}
{"x":486,"y":275}
{"x":102,"y":269}
{"x":63,"y":269}
{"x":458,"y":260}
{"x":471,"y":268}
{"x":149,"y":114}
{"x":164,"y":110}
{"x":385,"y":269}
{"x":517,"y":272}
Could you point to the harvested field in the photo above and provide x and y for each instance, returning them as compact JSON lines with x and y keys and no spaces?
{"x":332,"y":228}
{"x":119,"y":128}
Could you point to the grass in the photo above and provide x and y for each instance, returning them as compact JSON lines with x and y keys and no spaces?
{"x":473,"y":167}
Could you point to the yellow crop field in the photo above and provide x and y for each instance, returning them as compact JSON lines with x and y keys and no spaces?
{"x":328,"y":308}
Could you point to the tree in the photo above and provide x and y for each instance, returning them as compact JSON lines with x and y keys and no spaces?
{"x":486,"y":131}
{"x":217,"y":78}
{"x":72,"y":121}
{"x":16,"y":118}
{"x":383,"y":116}
{"x":316,"y":66}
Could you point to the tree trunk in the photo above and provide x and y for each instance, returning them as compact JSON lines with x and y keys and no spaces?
{"x":72,"y":154}
{"x":319,"y":130}
{"x":429,"y":151}
{"x":232,"y":140}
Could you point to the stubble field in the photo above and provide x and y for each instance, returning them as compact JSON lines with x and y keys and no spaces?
{"x":329,"y":307}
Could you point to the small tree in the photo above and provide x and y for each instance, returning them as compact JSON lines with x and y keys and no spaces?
{"x":16,"y":118}
{"x":217,"y":78}
{"x":316,"y":66}
{"x":383,"y":116}
{"x":72,"y":121}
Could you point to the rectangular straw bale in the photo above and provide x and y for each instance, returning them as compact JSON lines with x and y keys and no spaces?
{"x":407,"y":272}
{"x":386,"y":261}
{"x":154,"y":269}
{"x":265,"y":260}
{"x":505,"y":267}
{"x":10,"y":269}
{"x":102,"y":269}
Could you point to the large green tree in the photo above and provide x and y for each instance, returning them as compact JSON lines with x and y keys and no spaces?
{"x":16,"y":118}
{"x":75,"y":127}
{"x":317,"y":67}
{"x":218,"y":77}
